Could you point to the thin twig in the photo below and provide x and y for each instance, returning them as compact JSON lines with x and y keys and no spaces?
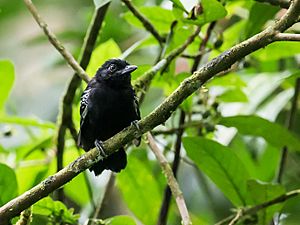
{"x":290,"y":122}
{"x":146,"y":23}
{"x":256,"y":208}
{"x":158,"y":116}
{"x":171,"y":180}
{"x":203,"y":45}
{"x":162,"y":220}
{"x":55,"y":42}
{"x":287,"y":37}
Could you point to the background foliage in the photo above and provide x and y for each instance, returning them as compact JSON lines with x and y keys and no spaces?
{"x":234,"y":131}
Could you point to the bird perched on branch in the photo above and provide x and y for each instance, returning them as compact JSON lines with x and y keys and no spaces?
{"x":108,"y":105}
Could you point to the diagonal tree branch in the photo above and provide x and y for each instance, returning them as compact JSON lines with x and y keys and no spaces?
{"x":55,"y":42}
{"x":158,"y":116}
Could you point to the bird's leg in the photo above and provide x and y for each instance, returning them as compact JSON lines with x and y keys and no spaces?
{"x":100,"y":148}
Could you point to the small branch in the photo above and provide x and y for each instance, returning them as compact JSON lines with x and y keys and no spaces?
{"x":103,"y":202}
{"x":236,"y":218}
{"x":171,"y":180}
{"x":55,"y":42}
{"x":203,"y":45}
{"x":158,"y":116}
{"x":26,"y":217}
{"x":179,"y":50}
{"x":281,"y":3}
{"x":290,"y":122}
{"x":287,"y":37}
{"x":146,"y":23}
{"x":143,"y":81}
{"x":249,"y":211}
{"x":162,"y":220}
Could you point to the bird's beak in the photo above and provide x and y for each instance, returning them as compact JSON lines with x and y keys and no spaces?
{"x":129,"y":69}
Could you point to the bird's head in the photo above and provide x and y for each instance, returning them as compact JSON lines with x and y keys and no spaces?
{"x":115,"y":71}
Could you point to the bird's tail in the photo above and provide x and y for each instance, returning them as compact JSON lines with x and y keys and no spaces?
{"x":114,"y":162}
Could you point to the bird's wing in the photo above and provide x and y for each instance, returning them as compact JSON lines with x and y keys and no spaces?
{"x":136,"y":106}
{"x":84,"y":101}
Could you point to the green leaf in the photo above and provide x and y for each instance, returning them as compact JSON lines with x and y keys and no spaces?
{"x":262,"y":192}
{"x":212,"y":10}
{"x":278,"y":50}
{"x":178,"y":4}
{"x":100,"y":3}
{"x":230,"y":80}
{"x":221,"y":165}
{"x":259,"y":15}
{"x":159,"y":17}
{"x":140,"y":191}
{"x":120,"y":220}
{"x":233,"y":95}
{"x":7,"y":76}
{"x":273,"y":133}
{"x":56,"y":209}
{"x":103,"y":52}
{"x":35,"y":122}
{"x":8,"y":184}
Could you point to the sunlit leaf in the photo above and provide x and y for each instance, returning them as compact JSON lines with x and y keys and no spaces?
{"x":273,"y":133}
{"x":221,"y":165}
{"x":140,"y":191}
{"x":7,"y":76}
{"x":178,"y":4}
{"x":8,"y":184}
{"x":103,"y":52}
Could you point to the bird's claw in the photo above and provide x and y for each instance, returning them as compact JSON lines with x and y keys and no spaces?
{"x":99,"y":146}
{"x":138,"y":134}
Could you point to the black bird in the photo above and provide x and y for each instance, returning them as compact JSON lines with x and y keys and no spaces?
{"x":108,"y":105}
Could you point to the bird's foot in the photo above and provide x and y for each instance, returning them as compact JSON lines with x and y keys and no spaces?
{"x":138,"y":134}
{"x":136,"y":124}
{"x":99,"y":146}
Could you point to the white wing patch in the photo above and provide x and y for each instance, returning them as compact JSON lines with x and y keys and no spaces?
{"x":84,"y":101}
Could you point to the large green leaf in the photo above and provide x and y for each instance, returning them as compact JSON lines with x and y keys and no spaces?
{"x":7,"y":76}
{"x":273,"y":133}
{"x":263,"y":192}
{"x":103,"y":52}
{"x":140,"y":191}
{"x":221,"y":165}
{"x":8,"y":184}
{"x":233,"y":95}
{"x":159,"y":17}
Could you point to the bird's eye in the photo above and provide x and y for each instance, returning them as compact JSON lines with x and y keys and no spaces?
{"x":112,"y":68}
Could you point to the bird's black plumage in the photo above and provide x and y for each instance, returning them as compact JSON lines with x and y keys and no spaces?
{"x":108,"y":105}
